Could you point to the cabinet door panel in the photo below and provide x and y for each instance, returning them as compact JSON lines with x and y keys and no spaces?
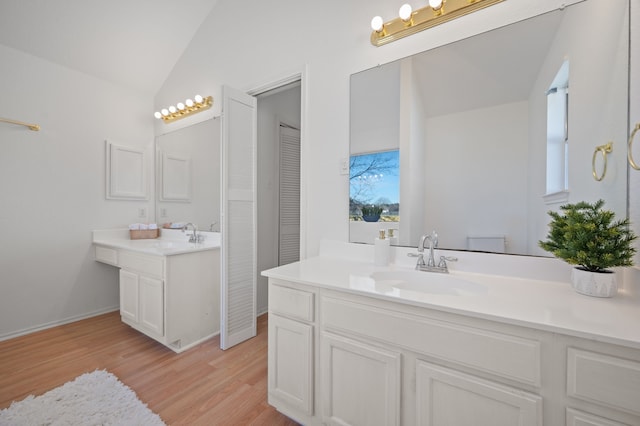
{"x":129,"y":296}
{"x":579,"y":418}
{"x":448,"y":397}
{"x":152,"y":304}
{"x":361,"y":383}
{"x":603,"y":379}
{"x":290,"y":372}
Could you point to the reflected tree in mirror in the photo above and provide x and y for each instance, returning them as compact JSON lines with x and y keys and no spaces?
{"x":374,"y":185}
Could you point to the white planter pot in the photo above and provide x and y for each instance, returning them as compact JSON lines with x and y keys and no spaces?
{"x":597,"y":284}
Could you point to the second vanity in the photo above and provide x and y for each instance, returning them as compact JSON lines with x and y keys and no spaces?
{"x":355,"y":344}
{"x":169,"y":287}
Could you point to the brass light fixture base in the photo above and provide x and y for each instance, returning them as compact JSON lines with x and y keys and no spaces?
{"x":189,"y":110}
{"x":426,"y":17}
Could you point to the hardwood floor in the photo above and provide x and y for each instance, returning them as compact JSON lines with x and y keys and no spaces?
{"x":202,"y":386}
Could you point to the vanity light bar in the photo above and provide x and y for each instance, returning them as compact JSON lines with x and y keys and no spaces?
{"x":182,"y":110}
{"x":410,"y":22}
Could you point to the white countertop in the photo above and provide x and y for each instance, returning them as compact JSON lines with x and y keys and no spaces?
{"x":536,"y":303}
{"x":171,"y":242}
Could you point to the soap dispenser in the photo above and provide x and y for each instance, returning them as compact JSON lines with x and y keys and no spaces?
{"x":393,"y":238}
{"x":381,"y":250}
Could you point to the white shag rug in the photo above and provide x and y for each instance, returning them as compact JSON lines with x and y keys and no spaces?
{"x":97,"y":398}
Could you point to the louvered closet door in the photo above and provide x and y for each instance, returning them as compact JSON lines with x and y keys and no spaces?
{"x":289,"y":241}
{"x":238,"y":218}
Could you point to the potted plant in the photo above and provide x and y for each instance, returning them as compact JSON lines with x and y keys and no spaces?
{"x":587,"y":235}
{"x":371,"y":213}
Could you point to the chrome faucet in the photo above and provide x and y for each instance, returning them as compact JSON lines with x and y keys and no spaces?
{"x":193,"y":238}
{"x":430,"y":264}
{"x":433,"y":243}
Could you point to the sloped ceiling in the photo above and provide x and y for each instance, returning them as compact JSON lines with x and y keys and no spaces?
{"x":133,"y":43}
{"x":493,"y":68}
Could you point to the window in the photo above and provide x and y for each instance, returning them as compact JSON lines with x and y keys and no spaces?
{"x":558,"y":135}
{"x":374,"y":180}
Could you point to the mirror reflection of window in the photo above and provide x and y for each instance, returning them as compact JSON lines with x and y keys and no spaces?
{"x":558,"y":132}
{"x":374,"y":181}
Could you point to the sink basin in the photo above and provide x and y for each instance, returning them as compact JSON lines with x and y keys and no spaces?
{"x":428,"y":283}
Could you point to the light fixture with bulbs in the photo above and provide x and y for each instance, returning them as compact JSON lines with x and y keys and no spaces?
{"x":182,"y":110}
{"x":412,"y":21}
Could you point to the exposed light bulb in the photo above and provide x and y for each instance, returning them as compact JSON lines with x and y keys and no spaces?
{"x":405,"y":12}
{"x":157,"y":115}
{"x":189,"y":102}
{"x":377,"y":23}
{"x":435,"y":4}
{"x":180,"y":106}
{"x":198,"y":99}
{"x":172,"y":109}
{"x":165,"y":112}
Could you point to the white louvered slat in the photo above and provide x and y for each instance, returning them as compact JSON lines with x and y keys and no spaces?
{"x":238,"y":218}
{"x":289,"y":227}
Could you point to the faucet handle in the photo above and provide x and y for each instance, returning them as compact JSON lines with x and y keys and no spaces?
{"x":444,"y":259}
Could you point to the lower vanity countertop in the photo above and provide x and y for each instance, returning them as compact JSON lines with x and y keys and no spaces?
{"x":170,"y":243}
{"x":545,"y":305}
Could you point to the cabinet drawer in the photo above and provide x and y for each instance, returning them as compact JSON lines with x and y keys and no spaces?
{"x":106,"y":255}
{"x":145,"y":264}
{"x":291,"y":302}
{"x":604,"y":379}
{"x":579,"y":418}
{"x":508,"y":356}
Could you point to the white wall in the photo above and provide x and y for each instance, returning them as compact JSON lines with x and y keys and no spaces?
{"x":592,"y":57}
{"x":327,"y":41}
{"x":52,"y":189}
{"x":493,"y":177}
{"x":272,"y":109}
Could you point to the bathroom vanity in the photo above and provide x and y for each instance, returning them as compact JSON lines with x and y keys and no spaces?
{"x":169,"y":287}
{"x":355,"y":344}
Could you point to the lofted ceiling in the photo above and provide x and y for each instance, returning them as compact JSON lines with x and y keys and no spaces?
{"x":493,"y":68}
{"x":133,"y":43}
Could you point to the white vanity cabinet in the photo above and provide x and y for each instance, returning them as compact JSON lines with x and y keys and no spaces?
{"x":173,"y":299}
{"x":382,"y":362}
{"x":291,"y":354}
{"x":142,"y":292}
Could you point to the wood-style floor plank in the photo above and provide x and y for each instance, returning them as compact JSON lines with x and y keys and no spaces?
{"x":202,"y":386}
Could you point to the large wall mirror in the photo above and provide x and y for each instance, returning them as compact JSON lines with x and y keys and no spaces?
{"x":188,"y":176}
{"x":494,"y":131}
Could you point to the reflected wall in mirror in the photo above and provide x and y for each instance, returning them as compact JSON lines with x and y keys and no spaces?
{"x":188,"y":175}
{"x":471,"y":122}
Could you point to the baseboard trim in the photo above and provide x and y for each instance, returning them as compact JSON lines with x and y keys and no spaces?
{"x":52,"y":324}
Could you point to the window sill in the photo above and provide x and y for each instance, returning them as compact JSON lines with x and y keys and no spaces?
{"x":556,"y":197}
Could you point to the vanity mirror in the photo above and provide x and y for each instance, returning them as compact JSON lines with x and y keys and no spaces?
{"x":188,"y":175}
{"x":495,"y":130}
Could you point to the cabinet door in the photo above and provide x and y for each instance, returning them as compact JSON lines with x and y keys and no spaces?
{"x":291,"y":363}
{"x":152,"y":304}
{"x":361,"y":383}
{"x":129,"y":296}
{"x":449,"y":397}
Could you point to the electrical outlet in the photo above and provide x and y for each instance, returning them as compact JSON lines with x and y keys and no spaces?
{"x":163,"y":212}
{"x":344,"y":166}
{"x":142,"y":212}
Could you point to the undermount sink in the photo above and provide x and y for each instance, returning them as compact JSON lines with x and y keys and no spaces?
{"x":427,"y":282}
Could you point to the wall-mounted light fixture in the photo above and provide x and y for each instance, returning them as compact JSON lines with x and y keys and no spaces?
{"x":410,"y":22}
{"x":182,"y":110}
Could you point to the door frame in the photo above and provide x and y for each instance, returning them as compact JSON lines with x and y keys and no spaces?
{"x":288,"y":78}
